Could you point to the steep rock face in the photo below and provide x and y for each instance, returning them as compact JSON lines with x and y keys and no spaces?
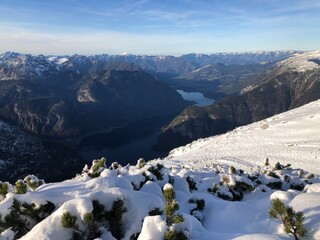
{"x":78,"y":96}
{"x":290,"y":84}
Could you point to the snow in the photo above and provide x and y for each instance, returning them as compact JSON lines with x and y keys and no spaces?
{"x":314,"y":188}
{"x":301,"y":62}
{"x":58,"y":60}
{"x":7,"y":234}
{"x":153,"y":228}
{"x":291,"y":137}
{"x":284,"y":196}
{"x":308,"y":203}
{"x":84,"y":95}
{"x":167,"y":187}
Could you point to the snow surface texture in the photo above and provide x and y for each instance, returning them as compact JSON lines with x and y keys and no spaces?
{"x":291,"y":137}
{"x":219,"y":219}
{"x":199,"y":171}
{"x":301,"y":62}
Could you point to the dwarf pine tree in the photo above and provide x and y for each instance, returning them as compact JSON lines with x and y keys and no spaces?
{"x":21,"y":187}
{"x":114,"y":216}
{"x":23,"y":216}
{"x":97,"y":166}
{"x":68,"y":220}
{"x":156,"y":171}
{"x":266,"y":162}
{"x":33,"y":182}
{"x":4,"y":188}
{"x":174,"y":235}
{"x":232,"y":170}
{"x":192,"y":184}
{"x":141,"y":163}
{"x":93,"y":220}
{"x":292,"y":221}
{"x":171,"y":206}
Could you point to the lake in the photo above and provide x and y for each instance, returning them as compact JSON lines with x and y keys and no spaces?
{"x":196,"y":97}
{"x":128,"y":144}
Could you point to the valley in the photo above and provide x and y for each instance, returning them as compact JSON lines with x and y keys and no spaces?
{"x":113,"y":105}
{"x":289,"y":84}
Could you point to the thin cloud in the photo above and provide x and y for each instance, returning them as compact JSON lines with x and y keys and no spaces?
{"x":163,"y":27}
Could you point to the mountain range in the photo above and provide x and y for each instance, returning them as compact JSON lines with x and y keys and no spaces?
{"x":65,"y":98}
{"x":289,"y":84}
{"x":51,"y":97}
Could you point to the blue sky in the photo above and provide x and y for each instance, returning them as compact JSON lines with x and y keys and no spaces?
{"x":158,"y":26}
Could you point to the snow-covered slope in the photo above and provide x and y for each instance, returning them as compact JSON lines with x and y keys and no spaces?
{"x":301,"y":62}
{"x":211,"y":199}
{"x":291,"y":137}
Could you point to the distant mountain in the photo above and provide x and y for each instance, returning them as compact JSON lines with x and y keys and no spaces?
{"x":218,"y":80}
{"x":239,"y":58}
{"x":66,"y":97}
{"x":184,"y":64}
{"x":290,"y":84}
{"x":239,"y":68}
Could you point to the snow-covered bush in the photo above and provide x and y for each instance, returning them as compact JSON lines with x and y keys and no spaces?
{"x":115,"y":166}
{"x":24,"y":216}
{"x":192,"y":184}
{"x":196,"y":211}
{"x":275,"y":185}
{"x":96,"y":219}
{"x":232,"y":170}
{"x":232,"y":187}
{"x":4,"y":188}
{"x":157,"y":171}
{"x":98,"y":165}
{"x":33,"y":182}
{"x":292,"y":221}
{"x":141,"y":163}
{"x":69,"y":221}
{"x":21,"y":187}
{"x":114,"y":217}
{"x":155,"y":212}
{"x":278,"y":166}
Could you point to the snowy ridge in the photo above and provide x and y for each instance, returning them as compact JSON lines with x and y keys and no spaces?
{"x":15,"y":66}
{"x":301,"y":62}
{"x":291,"y":137}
